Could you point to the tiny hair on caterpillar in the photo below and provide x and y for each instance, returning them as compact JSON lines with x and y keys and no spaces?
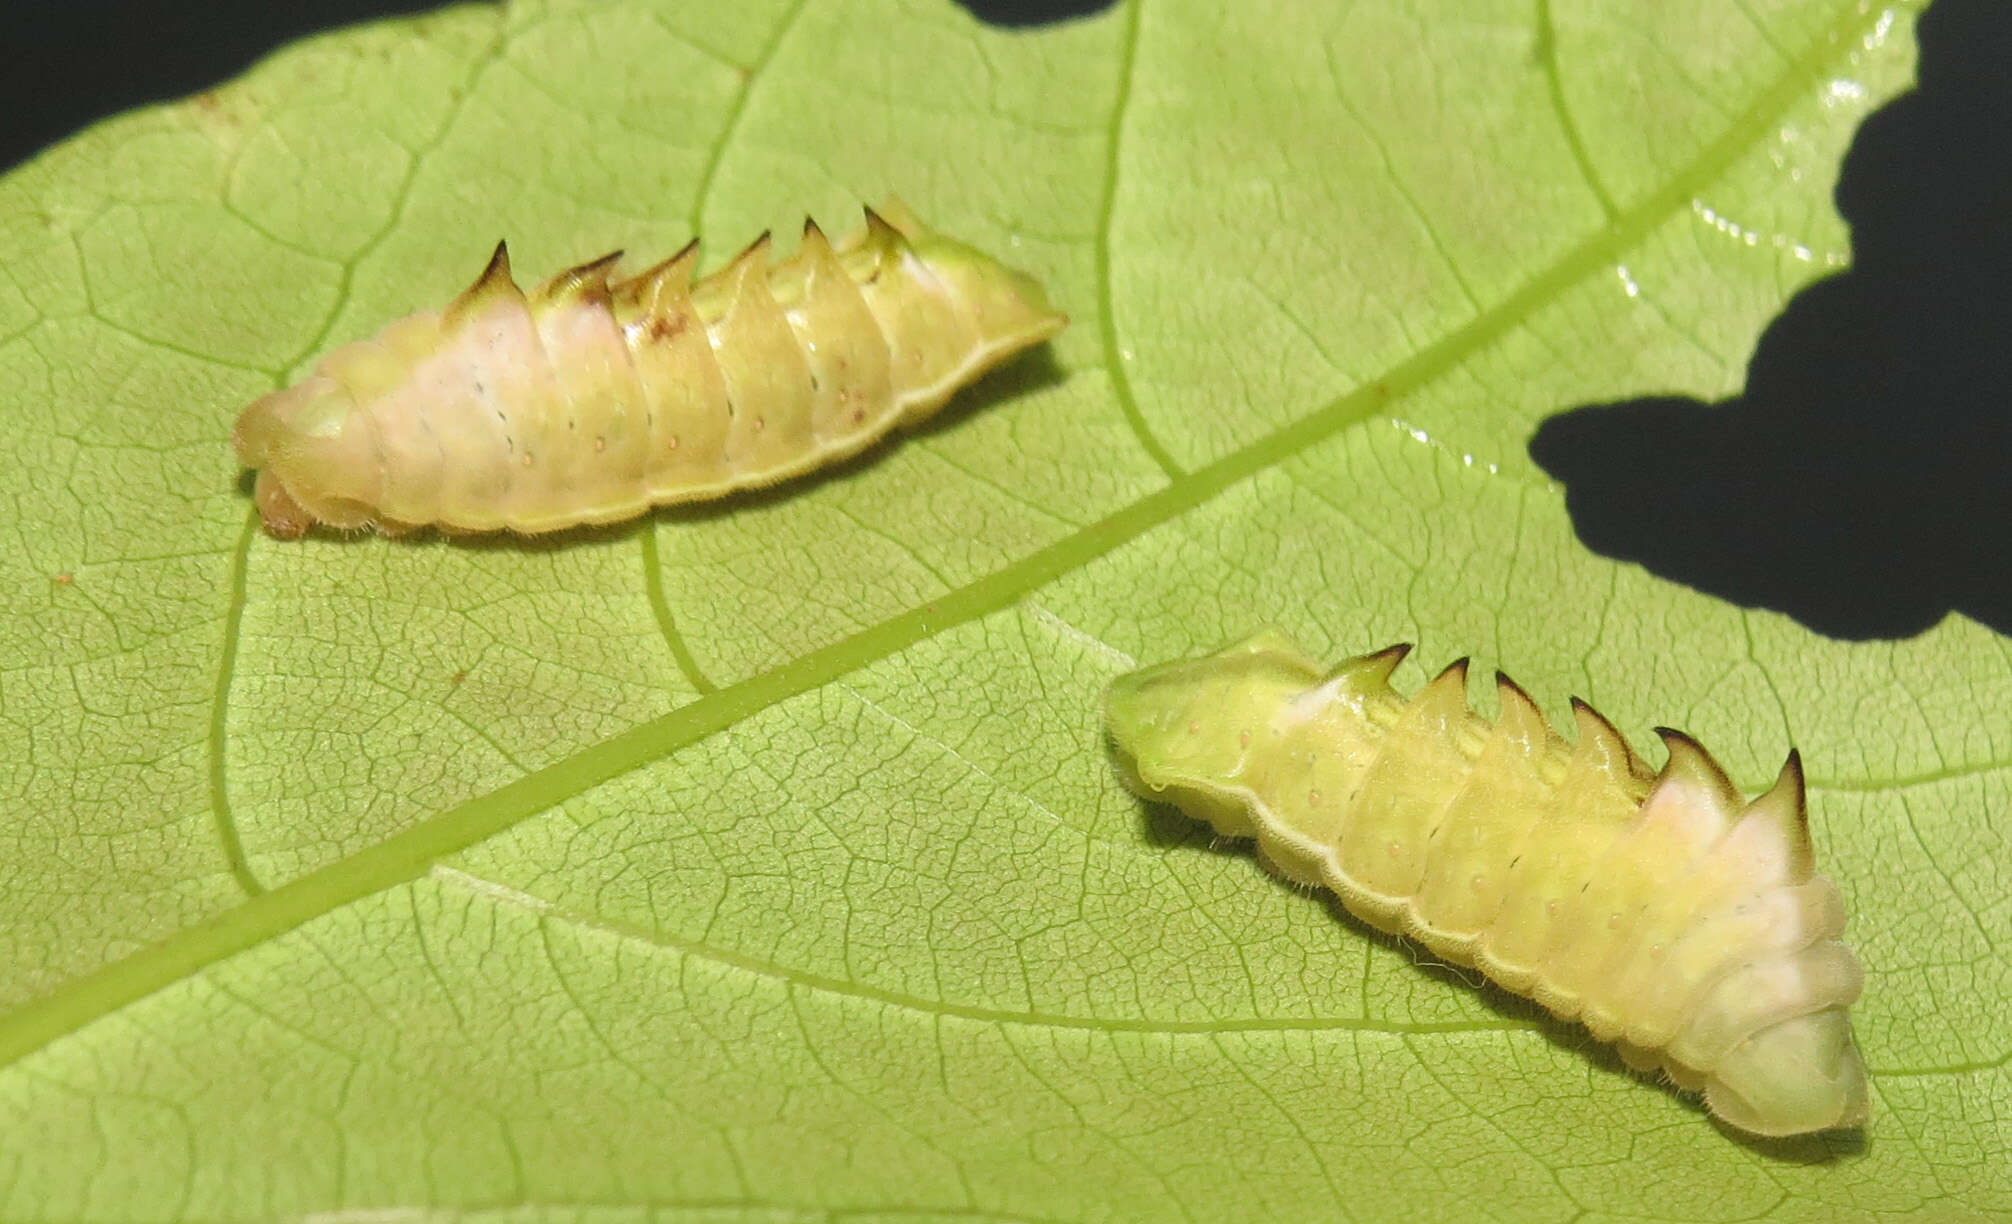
{"x":591,"y":400}
{"x":1673,"y":918}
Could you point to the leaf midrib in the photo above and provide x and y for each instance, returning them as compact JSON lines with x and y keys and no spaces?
{"x":408,"y":855}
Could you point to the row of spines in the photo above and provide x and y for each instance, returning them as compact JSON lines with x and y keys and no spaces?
{"x":1599,"y":745}
{"x":671,"y":280}
{"x":1709,"y":807}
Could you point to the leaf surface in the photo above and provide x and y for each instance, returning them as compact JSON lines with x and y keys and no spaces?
{"x":764,"y":862}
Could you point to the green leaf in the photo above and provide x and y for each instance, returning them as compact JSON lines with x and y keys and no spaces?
{"x":764,"y":862}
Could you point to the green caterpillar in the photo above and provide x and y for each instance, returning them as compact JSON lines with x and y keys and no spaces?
{"x":591,"y":402}
{"x":1662,"y":911}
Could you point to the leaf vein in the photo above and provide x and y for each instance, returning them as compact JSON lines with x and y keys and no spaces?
{"x":1107,"y":319}
{"x":408,"y":855}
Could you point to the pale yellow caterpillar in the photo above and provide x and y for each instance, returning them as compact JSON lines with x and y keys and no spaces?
{"x":1661,"y":910}
{"x":591,"y":402}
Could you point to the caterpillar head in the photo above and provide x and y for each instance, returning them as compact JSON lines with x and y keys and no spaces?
{"x":1802,"y":1074}
{"x":1009,"y":308}
{"x":1003,"y":309}
{"x":316,"y":454}
{"x":1181,"y":731}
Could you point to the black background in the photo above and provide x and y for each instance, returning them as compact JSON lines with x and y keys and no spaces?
{"x":68,"y":62}
{"x":1862,"y":483}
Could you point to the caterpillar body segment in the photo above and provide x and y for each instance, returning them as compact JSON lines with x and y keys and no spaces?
{"x":1660,"y":909}
{"x":591,"y":400}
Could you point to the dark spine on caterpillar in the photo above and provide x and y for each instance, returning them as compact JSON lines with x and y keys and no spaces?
{"x":590,"y":401}
{"x":1660,"y":909}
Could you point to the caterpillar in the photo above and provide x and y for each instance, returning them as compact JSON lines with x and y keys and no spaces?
{"x":591,"y":401}
{"x":1661,"y":910}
